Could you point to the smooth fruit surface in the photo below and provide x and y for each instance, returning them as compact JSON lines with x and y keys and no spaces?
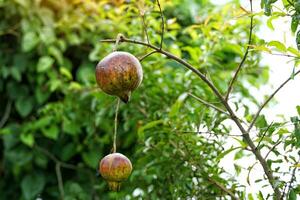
{"x":115,"y":168}
{"x":119,"y":73}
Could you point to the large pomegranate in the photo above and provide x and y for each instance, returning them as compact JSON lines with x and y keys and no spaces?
{"x":115,"y":168}
{"x":119,"y":73}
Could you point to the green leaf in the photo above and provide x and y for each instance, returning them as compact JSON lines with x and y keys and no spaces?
{"x":224,"y":153}
{"x":64,"y":71}
{"x":279,"y":46}
{"x":269,"y":22}
{"x":149,"y":125}
{"x":260,"y":196}
{"x":91,"y":158}
{"x":68,"y":151}
{"x":24,"y":106}
{"x":293,"y":51}
{"x":56,"y":53}
{"x":70,"y":127}
{"x":297,"y":5}
{"x":298,"y":40}
{"x":237,"y":168}
{"x":292,"y":195}
{"x":55,"y":84}
{"x":294,"y":23}
{"x":44,"y":63}
{"x":298,"y":110}
{"x":261,"y":48}
{"x":51,"y":132}
{"x":177,"y":105}
{"x":27,"y":138}
{"x":32,"y":185}
{"x":250,"y":197}
{"x":30,"y":41}
{"x":238,"y":155}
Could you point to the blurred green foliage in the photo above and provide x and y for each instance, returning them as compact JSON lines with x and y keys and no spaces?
{"x":57,"y":124}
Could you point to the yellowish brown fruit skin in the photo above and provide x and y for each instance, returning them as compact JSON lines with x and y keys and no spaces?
{"x":119,"y":73}
{"x":115,"y":168}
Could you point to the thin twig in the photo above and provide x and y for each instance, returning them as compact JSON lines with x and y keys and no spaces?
{"x":6,"y":114}
{"x":263,"y":135}
{"x":59,"y":181}
{"x":162,"y":25}
{"x":210,"y":133}
{"x":285,"y":55}
{"x":208,"y":104}
{"x":52,"y":157}
{"x":145,"y":27}
{"x":292,"y":179}
{"x":269,"y":99}
{"x":223,"y":188}
{"x":274,"y":146}
{"x":213,"y":106}
{"x":116,"y":126}
{"x":148,"y":54}
{"x":244,"y":57}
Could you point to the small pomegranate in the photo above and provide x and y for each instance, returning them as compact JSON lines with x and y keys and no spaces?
{"x":119,"y":73}
{"x":115,"y":168}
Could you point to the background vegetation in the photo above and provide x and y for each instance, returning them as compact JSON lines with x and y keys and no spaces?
{"x":56,"y":124}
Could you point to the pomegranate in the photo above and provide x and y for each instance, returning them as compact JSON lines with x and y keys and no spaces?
{"x":119,"y":73}
{"x":115,"y":168}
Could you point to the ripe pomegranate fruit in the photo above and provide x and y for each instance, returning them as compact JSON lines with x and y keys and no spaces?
{"x":115,"y":168}
{"x":119,"y":73}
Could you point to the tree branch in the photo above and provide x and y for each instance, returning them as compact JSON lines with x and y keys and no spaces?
{"x":233,"y":116}
{"x":274,"y":146}
{"x":148,"y":54}
{"x":223,"y":188}
{"x":6,"y":114}
{"x":52,"y":157}
{"x":268,"y":100}
{"x":244,"y":57}
{"x":59,"y":181}
{"x":209,"y":104}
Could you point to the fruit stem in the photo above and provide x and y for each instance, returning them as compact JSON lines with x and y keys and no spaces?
{"x":119,"y":36}
{"x":116,"y":126}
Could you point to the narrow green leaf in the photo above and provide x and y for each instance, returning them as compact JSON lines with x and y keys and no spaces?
{"x":294,"y":23}
{"x":250,"y":197}
{"x":293,"y":51}
{"x":177,"y":105}
{"x":66,"y":73}
{"x":44,"y":63}
{"x":298,"y":110}
{"x":224,"y":153}
{"x":149,"y":125}
{"x":279,"y":46}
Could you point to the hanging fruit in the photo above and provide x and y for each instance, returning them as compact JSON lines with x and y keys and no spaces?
{"x":115,"y":168}
{"x":119,"y":73}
